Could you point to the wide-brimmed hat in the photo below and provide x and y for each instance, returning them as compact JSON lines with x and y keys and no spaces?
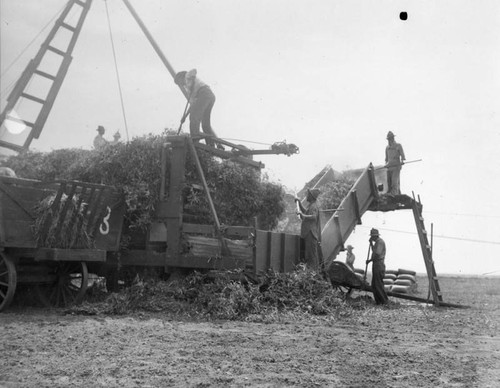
{"x":390,"y":135}
{"x":180,"y":78}
{"x":374,"y":232}
{"x":314,"y":193}
{"x":100,"y":128}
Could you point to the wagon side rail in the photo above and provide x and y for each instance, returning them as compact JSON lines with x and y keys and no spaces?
{"x":82,"y":214}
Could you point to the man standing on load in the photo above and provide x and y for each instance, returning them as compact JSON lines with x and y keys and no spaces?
{"x":394,"y":159}
{"x":378,"y":267}
{"x":201,"y":101}
{"x":310,"y":229}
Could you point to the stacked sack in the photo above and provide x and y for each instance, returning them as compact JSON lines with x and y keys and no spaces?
{"x":402,"y":281}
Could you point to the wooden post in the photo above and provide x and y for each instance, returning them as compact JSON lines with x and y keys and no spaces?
{"x":174,"y":205}
{"x":224,"y":249}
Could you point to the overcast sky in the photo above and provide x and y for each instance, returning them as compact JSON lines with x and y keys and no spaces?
{"x":330,"y":76}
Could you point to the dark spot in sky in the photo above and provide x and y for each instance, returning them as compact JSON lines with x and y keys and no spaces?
{"x":403,"y":16}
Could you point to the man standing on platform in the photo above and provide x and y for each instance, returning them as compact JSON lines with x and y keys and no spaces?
{"x":201,"y":101}
{"x":310,"y":229}
{"x":378,"y":267}
{"x":394,"y":159}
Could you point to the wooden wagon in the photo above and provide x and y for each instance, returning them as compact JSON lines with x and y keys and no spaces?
{"x":81,"y":224}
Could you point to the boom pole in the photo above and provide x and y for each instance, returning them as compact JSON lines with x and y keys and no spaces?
{"x":153,"y":43}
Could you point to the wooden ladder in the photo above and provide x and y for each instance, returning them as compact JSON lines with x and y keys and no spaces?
{"x":426,"y":251}
{"x":43,"y":104}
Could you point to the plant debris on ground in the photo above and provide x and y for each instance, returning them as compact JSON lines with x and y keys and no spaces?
{"x":226,"y":295}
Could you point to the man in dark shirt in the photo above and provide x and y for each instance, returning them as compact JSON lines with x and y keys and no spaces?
{"x":378,"y":267}
{"x":310,"y":229}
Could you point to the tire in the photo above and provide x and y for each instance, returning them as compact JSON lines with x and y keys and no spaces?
{"x":391,"y":271}
{"x":390,"y":276}
{"x":400,"y":289}
{"x":8,"y":280}
{"x":358,"y":270}
{"x":406,"y":283}
{"x":68,"y":288}
{"x":406,"y":272}
{"x":389,"y":282}
{"x":387,"y":287}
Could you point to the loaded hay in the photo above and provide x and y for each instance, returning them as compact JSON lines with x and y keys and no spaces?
{"x":62,"y":225}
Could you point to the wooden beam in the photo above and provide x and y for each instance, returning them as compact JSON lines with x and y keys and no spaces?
{"x":224,"y":249}
{"x":186,"y":261}
{"x":56,"y":254}
{"x":229,"y":155}
{"x":354,"y":197}
{"x":423,"y":300}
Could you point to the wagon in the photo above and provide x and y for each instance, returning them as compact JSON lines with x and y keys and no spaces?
{"x":81,"y":225}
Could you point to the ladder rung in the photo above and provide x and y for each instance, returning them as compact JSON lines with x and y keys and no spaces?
{"x":56,"y":50}
{"x":32,"y":98}
{"x":421,"y":218}
{"x":17,"y":120}
{"x":80,"y":3}
{"x":46,"y":75}
{"x":67,"y":26}
{"x":424,"y":231}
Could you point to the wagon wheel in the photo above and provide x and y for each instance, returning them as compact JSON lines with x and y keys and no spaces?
{"x":68,"y":288}
{"x":8,"y":280}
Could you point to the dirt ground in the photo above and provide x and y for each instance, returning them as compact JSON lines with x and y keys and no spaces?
{"x":404,"y":345}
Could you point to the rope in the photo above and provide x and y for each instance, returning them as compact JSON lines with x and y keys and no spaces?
{"x":116,"y":70}
{"x":245,"y":141}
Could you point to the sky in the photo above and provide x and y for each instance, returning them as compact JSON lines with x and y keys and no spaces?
{"x":331,"y":76}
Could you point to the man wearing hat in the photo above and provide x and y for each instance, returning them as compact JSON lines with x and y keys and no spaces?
{"x":99,"y":140}
{"x":310,"y":229}
{"x":201,"y":101}
{"x":350,"y":257}
{"x":394,"y":159}
{"x":378,"y":266}
{"x":116,"y":138}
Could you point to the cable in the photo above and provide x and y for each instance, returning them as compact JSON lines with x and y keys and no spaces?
{"x":440,"y":236}
{"x":463,"y":214}
{"x":246,"y":141}
{"x":116,"y":70}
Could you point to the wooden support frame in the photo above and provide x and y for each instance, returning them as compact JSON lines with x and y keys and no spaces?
{"x":354,"y":196}
{"x":229,"y":155}
{"x":224,"y":249}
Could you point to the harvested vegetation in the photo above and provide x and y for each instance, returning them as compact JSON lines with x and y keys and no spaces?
{"x":72,"y":229}
{"x":239,"y":193}
{"x":224,"y":295}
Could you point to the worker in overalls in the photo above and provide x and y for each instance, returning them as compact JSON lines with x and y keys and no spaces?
{"x":201,"y":101}
{"x":378,"y":267}
{"x":310,"y":229}
{"x":394,"y":159}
